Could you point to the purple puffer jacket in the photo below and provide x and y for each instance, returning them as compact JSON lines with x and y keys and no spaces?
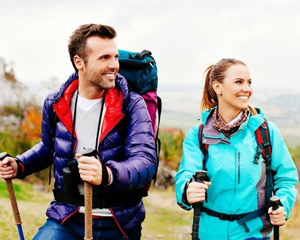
{"x":132,"y":161}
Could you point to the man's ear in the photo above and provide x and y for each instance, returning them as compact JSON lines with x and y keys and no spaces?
{"x":217,"y":86}
{"x":79,"y":63}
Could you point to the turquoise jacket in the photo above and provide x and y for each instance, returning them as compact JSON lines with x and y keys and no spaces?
{"x":238,"y":184}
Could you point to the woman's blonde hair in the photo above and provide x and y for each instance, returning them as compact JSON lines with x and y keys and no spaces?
{"x":216,"y":72}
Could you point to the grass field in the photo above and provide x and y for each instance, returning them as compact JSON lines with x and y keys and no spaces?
{"x":164,"y":219}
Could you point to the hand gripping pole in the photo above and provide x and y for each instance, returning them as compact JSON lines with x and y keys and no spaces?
{"x":199,"y":177}
{"x":13,"y":200}
{"x":275,"y":201}
{"x":88,"y":200}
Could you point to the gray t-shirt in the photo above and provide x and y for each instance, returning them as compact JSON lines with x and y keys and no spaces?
{"x":86,"y":125}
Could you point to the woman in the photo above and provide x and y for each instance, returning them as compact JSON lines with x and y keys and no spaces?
{"x":236,"y":184}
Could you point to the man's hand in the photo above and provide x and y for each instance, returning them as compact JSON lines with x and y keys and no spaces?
{"x":278,"y":216}
{"x":8,"y":168}
{"x":90,"y":169}
{"x":196,"y":192}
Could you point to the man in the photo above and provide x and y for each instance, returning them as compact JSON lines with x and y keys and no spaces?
{"x":91,"y":114}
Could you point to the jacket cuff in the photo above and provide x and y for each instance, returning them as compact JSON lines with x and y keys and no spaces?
{"x":21,"y":169}
{"x":110,"y":176}
{"x":184,"y":197}
{"x":104,"y":175}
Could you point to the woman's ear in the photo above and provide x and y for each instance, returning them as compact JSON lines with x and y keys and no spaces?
{"x":217,"y":86}
{"x":78,"y":61}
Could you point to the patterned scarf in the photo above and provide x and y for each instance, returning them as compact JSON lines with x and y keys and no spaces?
{"x":221,"y":125}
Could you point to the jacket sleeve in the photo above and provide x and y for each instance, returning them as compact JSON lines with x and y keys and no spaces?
{"x":39,"y":156}
{"x":140,"y":161}
{"x":191,"y":161}
{"x":286,"y":176}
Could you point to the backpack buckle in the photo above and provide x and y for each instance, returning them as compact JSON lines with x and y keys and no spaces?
{"x":222,"y":216}
{"x":266,"y":144}
{"x":257,"y":155}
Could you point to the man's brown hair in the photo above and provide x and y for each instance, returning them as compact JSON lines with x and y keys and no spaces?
{"x":77,"y":41}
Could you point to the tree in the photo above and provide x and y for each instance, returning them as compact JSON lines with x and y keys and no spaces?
{"x":31,"y":125}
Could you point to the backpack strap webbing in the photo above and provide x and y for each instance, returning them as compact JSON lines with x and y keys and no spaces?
{"x":53,"y":121}
{"x":264,"y":143}
{"x":203,"y":147}
{"x":157,"y":140}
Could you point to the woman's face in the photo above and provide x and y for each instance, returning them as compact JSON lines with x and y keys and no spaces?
{"x":235,"y":91}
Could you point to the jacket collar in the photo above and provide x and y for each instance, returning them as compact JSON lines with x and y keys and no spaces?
{"x":213,"y":136}
{"x":120,"y":83}
{"x":114,"y":99}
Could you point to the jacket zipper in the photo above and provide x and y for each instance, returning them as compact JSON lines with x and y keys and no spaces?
{"x":239,"y":167}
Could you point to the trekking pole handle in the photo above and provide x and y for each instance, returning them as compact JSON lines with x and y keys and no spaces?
{"x":198,"y":177}
{"x":13,"y":200}
{"x":11,"y":193}
{"x":88,"y":199}
{"x":275,"y":202}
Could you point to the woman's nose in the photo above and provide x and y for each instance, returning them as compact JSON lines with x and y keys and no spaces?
{"x":247,"y":87}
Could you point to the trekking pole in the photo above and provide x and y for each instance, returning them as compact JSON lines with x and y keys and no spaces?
{"x":275,"y":201}
{"x":199,"y":177}
{"x":88,"y":200}
{"x":13,"y":200}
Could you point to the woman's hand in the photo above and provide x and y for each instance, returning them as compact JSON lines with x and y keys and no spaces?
{"x":196,"y":191}
{"x":277,"y":217}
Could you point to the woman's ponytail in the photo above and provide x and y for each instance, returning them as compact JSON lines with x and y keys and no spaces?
{"x":252,"y":110}
{"x":209,"y":97}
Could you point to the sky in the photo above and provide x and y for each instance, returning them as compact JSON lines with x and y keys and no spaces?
{"x":185,"y":37}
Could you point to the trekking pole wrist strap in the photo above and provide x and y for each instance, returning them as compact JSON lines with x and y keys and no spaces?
{"x":105,"y":177}
{"x":184,"y":196}
{"x":20,"y":171}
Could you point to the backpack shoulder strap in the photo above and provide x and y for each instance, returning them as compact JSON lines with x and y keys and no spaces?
{"x":203,"y":147}
{"x":53,"y":117}
{"x":263,"y":140}
{"x":53,"y":121}
{"x":264,"y":143}
{"x":157,"y":140}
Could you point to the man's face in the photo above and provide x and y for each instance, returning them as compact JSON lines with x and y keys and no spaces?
{"x":102,"y":63}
